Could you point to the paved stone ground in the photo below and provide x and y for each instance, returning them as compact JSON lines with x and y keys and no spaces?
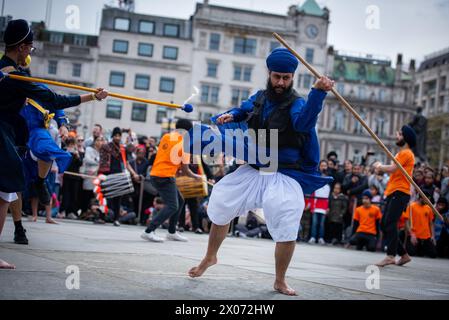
{"x":115,"y":263}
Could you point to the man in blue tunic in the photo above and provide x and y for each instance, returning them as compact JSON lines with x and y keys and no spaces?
{"x":280,"y":193}
{"x":18,"y":39}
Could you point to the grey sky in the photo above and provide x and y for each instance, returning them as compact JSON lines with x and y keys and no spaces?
{"x":412,"y":27}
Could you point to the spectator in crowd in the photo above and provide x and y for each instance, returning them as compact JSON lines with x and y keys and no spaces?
{"x":355,"y":182}
{"x":420,"y":218}
{"x":379,"y":180}
{"x":442,"y":228}
{"x":343,"y":173}
{"x":428,"y":185}
{"x":321,"y":206}
{"x":376,"y":197}
{"x":90,"y":166}
{"x":252,"y":228}
{"x":80,"y":145}
{"x":444,"y":187}
{"x":338,"y":206}
{"x":97,"y":131}
{"x":71,"y":184}
{"x":113,"y":160}
{"x":418,"y":177}
{"x":366,"y":224}
{"x":140,"y":166}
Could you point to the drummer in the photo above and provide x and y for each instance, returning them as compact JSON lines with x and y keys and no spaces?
{"x":163,"y":179}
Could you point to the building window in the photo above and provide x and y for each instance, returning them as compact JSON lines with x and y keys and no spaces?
{"x":380,"y":125}
{"x":161,"y":114}
{"x":299,"y":80}
{"x":76,"y":70}
{"x":362,"y":92}
{"x":209,"y":93}
{"x":139,"y":112}
{"x":212,"y":67}
{"x":117,"y":79}
{"x":171,"y":30}
{"x":382,"y":95}
{"x":309,"y":55}
{"x":142,"y":82}
{"x":242,"y":73}
{"x":274,"y":45}
{"x":239,"y":95}
{"x":145,"y":49}
{"x":52,"y":66}
{"x":120,"y":46}
{"x":339,"y":120}
{"x":357,"y":125}
{"x":167,"y":85}
{"x":56,"y":37}
{"x":341,"y":88}
{"x":170,"y":53}
{"x":80,"y":40}
{"x":205,"y":117}
{"x":214,"y":42}
{"x":307,"y":81}
{"x":114,"y":109}
{"x":121,"y":24}
{"x":245,"y":46}
{"x":146,"y":26}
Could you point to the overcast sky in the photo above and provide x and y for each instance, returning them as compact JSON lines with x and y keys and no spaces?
{"x":412,"y":27}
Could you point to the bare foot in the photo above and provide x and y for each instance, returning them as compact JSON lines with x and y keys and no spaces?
{"x":6,"y":265}
{"x":388,"y":260}
{"x":283,"y":287}
{"x":33,"y":219}
{"x":199,"y":270}
{"x":404,"y":259}
{"x":50,"y":220}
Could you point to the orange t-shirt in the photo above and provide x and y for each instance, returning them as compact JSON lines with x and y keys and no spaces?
{"x":422,"y":217}
{"x":367,"y":218}
{"x":170,"y":156}
{"x":398,"y":182}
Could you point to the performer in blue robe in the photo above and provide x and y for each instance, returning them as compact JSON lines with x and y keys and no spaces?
{"x":295,"y":155}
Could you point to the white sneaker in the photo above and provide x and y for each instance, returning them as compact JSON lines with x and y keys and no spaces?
{"x":176,"y":237}
{"x":321,"y":241}
{"x":151,"y":237}
{"x":312,"y":240}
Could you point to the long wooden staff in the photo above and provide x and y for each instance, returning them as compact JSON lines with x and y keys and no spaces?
{"x":356,"y":115}
{"x":185,"y":107}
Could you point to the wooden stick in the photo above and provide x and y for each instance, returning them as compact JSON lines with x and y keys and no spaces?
{"x":111,"y":94}
{"x":356,"y":115}
{"x":86,"y":176}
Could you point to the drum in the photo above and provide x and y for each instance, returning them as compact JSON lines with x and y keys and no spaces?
{"x":191,"y":187}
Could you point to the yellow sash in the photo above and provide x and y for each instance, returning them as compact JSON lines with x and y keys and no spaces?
{"x":45,"y":113}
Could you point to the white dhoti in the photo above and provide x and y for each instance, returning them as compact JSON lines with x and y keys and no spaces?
{"x":280,"y":197}
{"x":8,"y":197}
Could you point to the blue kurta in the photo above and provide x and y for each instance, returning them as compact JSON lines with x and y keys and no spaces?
{"x":304,"y":116}
{"x":41,"y":142}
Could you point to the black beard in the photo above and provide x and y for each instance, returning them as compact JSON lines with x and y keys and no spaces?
{"x":275,"y":97}
{"x":400,"y":143}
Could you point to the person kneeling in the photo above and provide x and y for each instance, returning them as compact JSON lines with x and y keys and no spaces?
{"x":366,"y":224}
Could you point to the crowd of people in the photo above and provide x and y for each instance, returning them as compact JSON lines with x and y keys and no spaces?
{"x":349,"y":211}
{"x":346,"y":212}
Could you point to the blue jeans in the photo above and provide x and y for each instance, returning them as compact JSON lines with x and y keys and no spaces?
{"x":318,"y":221}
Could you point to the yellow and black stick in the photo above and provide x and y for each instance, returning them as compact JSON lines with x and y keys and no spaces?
{"x":185,"y":107}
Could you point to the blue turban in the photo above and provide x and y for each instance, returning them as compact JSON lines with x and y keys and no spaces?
{"x":409,"y":135}
{"x":367,"y":193}
{"x":282,"y":60}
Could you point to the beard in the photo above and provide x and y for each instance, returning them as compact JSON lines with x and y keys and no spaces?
{"x":273,"y":96}
{"x":400,"y":143}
